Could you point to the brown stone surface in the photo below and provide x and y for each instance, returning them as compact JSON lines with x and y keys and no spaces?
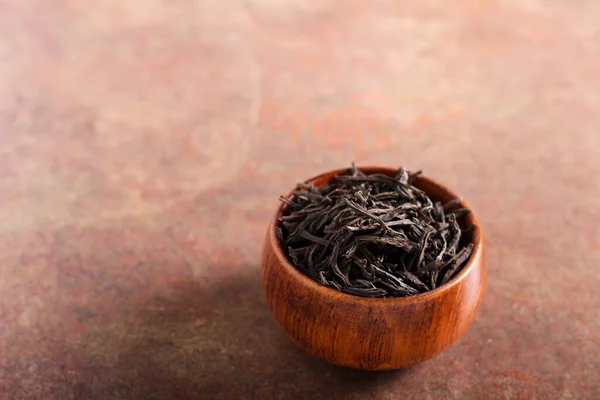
{"x":143,"y":145}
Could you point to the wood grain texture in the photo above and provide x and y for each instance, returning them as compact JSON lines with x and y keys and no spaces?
{"x":365,"y":333}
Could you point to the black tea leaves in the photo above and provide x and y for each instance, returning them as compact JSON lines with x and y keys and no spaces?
{"x":373,"y":235}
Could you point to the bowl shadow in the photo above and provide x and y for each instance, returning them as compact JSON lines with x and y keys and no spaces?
{"x":217,"y":340}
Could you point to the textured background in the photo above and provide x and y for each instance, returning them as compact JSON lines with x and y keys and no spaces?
{"x":143,"y":145}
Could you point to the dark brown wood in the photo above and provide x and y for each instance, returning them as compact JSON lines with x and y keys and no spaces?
{"x":365,"y":333}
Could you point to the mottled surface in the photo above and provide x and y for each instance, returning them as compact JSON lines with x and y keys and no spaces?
{"x":143,"y":145}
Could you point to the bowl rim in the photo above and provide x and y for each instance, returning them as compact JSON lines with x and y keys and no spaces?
{"x":472,"y":263}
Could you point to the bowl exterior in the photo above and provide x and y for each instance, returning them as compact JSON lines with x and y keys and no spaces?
{"x":369,"y":334}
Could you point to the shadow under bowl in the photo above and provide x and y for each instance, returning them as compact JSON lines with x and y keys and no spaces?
{"x":366,"y":333}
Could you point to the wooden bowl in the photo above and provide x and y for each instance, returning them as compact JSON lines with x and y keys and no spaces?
{"x":367,"y":333}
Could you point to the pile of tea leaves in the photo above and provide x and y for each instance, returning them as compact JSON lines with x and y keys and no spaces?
{"x":373,"y":235}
